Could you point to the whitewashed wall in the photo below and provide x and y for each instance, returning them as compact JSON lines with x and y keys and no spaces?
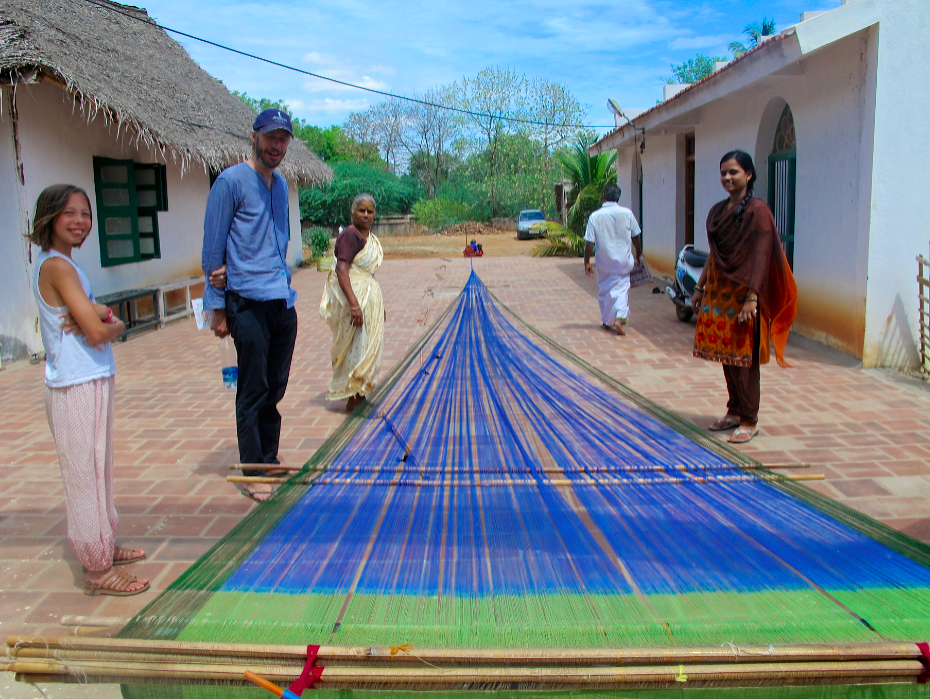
{"x":898,"y":210}
{"x":19,"y":334}
{"x":57,"y":145}
{"x":660,"y":196}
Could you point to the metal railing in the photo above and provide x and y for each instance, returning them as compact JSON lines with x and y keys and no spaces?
{"x":923,"y":304}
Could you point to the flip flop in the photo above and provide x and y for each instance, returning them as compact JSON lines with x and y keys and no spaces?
{"x":251,"y":496}
{"x":743,"y":435}
{"x":116,"y":584}
{"x":724,"y":423}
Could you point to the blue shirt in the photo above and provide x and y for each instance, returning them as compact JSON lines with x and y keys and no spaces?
{"x":246,"y":227}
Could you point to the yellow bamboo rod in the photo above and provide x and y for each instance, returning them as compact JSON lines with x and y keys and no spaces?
{"x":76,"y":620}
{"x":838,"y":653}
{"x":559,"y":482}
{"x":590,"y":469}
{"x":429,"y":677}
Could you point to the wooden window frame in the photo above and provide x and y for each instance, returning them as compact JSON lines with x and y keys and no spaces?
{"x":132,"y":210}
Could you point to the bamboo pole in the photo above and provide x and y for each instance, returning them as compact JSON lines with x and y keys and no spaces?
{"x":76,"y":620}
{"x":559,"y":482}
{"x":429,"y":677}
{"x":594,"y":469}
{"x":736,"y":654}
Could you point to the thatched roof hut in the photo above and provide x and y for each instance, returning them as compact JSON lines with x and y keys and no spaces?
{"x":133,"y":74}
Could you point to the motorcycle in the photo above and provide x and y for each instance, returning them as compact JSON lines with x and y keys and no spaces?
{"x":688,"y":271}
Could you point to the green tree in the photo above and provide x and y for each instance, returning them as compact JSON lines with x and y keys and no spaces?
{"x":755,"y":31}
{"x":332,"y":144}
{"x":694,"y":69}
{"x":588,"y":175}
{"x":329,"y":205}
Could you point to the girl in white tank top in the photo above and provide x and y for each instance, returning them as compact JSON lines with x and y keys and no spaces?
{"x":79,"y":385}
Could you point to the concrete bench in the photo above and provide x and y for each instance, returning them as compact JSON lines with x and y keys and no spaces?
{"x":165,"y":314}
{"x":127,"y":304}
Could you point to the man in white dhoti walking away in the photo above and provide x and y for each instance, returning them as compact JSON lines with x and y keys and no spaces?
{"x":612,"y":234}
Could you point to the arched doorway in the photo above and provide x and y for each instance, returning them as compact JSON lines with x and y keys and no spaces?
{"x":782,"y":180}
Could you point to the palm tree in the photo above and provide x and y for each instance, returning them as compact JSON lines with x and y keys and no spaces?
{"x":755,"y":31}
{"x":588,"y":175}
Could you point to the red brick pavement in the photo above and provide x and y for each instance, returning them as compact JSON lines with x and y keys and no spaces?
{"x":175,"y":429}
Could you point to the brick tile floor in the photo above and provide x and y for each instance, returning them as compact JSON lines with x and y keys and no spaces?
{"x":175,"y":428}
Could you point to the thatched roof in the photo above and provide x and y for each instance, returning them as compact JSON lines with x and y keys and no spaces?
{"x":134,"y":74}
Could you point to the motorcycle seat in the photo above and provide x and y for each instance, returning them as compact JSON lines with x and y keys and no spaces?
{"x":695,"y":258}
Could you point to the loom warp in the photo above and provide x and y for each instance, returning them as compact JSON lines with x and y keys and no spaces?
{"x":493,"y":495}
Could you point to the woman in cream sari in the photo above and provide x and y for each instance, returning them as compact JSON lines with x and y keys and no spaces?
{"x":353,"y":307}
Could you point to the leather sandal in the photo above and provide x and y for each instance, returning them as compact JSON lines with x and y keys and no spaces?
{"x":123,"y":557}
{"x":116,"y":584}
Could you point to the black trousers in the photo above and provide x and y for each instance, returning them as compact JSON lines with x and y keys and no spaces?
{"x":264,"y":333}
{"x":743,"y":384}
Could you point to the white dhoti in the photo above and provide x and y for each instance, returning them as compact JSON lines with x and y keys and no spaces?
{"x":613,"y":288}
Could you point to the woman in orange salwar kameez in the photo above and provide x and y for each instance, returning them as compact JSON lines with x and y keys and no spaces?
{"x":746,"y":294}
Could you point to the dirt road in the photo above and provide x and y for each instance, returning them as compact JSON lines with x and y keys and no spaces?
{"x":503,"y":244}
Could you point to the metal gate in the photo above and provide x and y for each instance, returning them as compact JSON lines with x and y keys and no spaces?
{"x":782,"y":179}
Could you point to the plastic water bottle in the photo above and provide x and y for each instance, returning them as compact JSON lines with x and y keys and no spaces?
{"x":229,"y":362}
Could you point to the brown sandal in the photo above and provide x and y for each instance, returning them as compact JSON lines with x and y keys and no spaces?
{"x":123,"y":557}
{"x":116,"y":584}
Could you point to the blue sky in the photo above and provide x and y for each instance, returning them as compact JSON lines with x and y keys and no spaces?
{"x":621,"y":49}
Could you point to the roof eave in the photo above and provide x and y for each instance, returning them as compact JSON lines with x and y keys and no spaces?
{"x":770,"y":56}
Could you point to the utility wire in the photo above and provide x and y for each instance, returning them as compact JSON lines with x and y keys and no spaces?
{"x":485,"y":115}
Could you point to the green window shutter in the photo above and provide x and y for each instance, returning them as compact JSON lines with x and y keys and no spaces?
{"x":151,"y":197}
{"x":117,"y":211}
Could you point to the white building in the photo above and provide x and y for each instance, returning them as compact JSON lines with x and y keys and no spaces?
{"x":98,"y":97}
{"x":834,"y":111}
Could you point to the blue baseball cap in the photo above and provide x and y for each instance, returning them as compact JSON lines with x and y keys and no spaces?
{"x":272,"y":120}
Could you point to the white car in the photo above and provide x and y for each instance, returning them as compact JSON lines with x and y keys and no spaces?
{"x":528,"y":224}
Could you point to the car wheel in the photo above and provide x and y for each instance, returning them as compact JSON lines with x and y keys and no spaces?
{"x":684,"y":313}
{"x":520,"y":236}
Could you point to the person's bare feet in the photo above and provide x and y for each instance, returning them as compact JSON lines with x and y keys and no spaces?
{"x":114,"y":582}
{"x":618,"y":326}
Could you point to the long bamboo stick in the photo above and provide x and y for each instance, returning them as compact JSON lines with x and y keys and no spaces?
{"x":76,"y":620}
{"x":559,"y":482}
{"x":434,"y":677}
{"x":837,"y":653}
{"x":591,"y":469}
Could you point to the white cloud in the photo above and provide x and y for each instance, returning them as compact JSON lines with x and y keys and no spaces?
{"x":701,"y":42}
{"x":320,"y":59}
{"x":317,"y":85}
{"x":328,"y":104}
{"x":333,"y":67}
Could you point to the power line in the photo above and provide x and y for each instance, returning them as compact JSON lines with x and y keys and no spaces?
{"x":152,"y":22}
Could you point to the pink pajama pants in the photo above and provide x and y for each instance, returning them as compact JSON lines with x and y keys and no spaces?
{"x":81,"y":419}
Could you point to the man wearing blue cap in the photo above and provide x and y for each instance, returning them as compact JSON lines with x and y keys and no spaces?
{"x":245,"y":237}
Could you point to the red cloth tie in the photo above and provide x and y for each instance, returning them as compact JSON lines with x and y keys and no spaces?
{"x":310,"y":674}
{"x":925,"y":650}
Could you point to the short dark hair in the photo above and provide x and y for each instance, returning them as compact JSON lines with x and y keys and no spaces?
{"x":51,"y":202}
{"x":611,"y":192}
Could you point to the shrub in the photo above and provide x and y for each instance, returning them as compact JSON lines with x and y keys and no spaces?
{"x":438,"y":213}
{"x":560,"y":242}
{"x":330,"y":204}
{"x":318,"y":239}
